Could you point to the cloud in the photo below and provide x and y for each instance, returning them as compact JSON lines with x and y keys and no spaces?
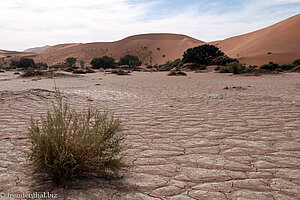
{"x":29,"y":23}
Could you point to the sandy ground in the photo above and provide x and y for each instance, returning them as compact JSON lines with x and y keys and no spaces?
{"x":190,"y":137}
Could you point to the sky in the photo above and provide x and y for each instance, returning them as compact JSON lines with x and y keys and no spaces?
{"x":34,"y":23}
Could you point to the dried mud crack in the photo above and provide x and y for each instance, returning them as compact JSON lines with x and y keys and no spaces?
{"x":189,"y":138}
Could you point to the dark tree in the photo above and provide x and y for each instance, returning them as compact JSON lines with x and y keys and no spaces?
{"x":224,"y":60}
{"x":203,"y":55}
{"x":271,"y":66}
{"x":14,"y":63}
{"x":130,"y":60}
{"x":41,"y":65}
{"x":70,"y":62}
{"x":25,"y":63}
{"x":103,"y":62}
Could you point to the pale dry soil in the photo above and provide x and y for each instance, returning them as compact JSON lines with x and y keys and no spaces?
{"x":190,"y":138}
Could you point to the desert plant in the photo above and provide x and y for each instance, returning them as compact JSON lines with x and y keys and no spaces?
{"x":296,"y":69}
{"x":130,"y":60}
{"x":177,"y":73}
{"x":223,"y":70}
{"x":236,"y":67}
{"x":89,"y":71}
{"x":81,"y":63}
{"x":79,"y":71}
{"x":120,"y":72}
{"x":296,"y":62}
{"x":23,"y":63}
{"x":217,"y":68}
{"x":170,"y":65}
{"x":57,"y":66}
{"x":286,"y":67}
{"x":41,"y":65}
{"x":70,"y":62}
{"x":13,"y":63}
{"x":224,"y":60}
{"x":31,"y":73}
{"x":194,"y":66}
{"x":250,"y":69}
{"x":67,"y":143}
{"x":70,"y":69}
{"x":271,"y":66}
{"x":104,"y":62}
{"x":203,"y":55}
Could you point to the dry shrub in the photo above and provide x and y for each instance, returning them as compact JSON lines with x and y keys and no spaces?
{"x":177,"y":73}
{"x":79,"y":71}
{"x":68,"y":143}
{"x":31,"y":73}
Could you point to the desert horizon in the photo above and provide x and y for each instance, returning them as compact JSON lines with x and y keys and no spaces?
{"x":279,"y":40}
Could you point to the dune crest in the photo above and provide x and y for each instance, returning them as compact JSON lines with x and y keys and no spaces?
{"x":150,"y":48}
{"x":278,"y":43}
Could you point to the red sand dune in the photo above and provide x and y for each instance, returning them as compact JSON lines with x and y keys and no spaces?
{"x":282,"y":40}
{"x":278,"y":43}
{"x":150,"y":48}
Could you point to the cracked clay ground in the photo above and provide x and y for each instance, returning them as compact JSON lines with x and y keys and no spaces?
{"x":190,"y":138}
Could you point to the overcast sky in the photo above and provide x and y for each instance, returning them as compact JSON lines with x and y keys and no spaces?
{"x":32,"y":23}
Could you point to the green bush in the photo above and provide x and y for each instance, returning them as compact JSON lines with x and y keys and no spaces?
{"x":236,"y":67}
{"x":203,"y":55}
{"x":13,"y":63}
{"x":224,"y":60}
{"x":296,"y":69}
{"x":271,"y":66}
{"x":286,"y":67}
{"x":296,"y":62}
{"x":23,"y":63}
{"x":250,"y":69}
{"x":120,"y":72}
{"x":170,"y":65}
{"x":41,"y":65}
{"x":224,"y":70}
{"x":194,"y":66}
{"x":130,"y":60}
{"x":70,"y":62}
{"x":31,"y":73}
{"x":67,"y":143}
{"x":104,"y":62}
{"x":217,"y":68}
{"x":58,"y":66}
{"x":70,"y":69}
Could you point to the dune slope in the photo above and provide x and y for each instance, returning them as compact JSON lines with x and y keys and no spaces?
{"x":150,"y":48}
{"x":278,"y":43}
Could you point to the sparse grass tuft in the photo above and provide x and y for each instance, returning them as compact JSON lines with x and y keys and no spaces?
{"x":177,"y":73}
{"x":120,"y":72}
{"x":79,"y":71}
{"x":31,"y":73}
{"x":236,"y":67}
{"x":67,"y":143}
